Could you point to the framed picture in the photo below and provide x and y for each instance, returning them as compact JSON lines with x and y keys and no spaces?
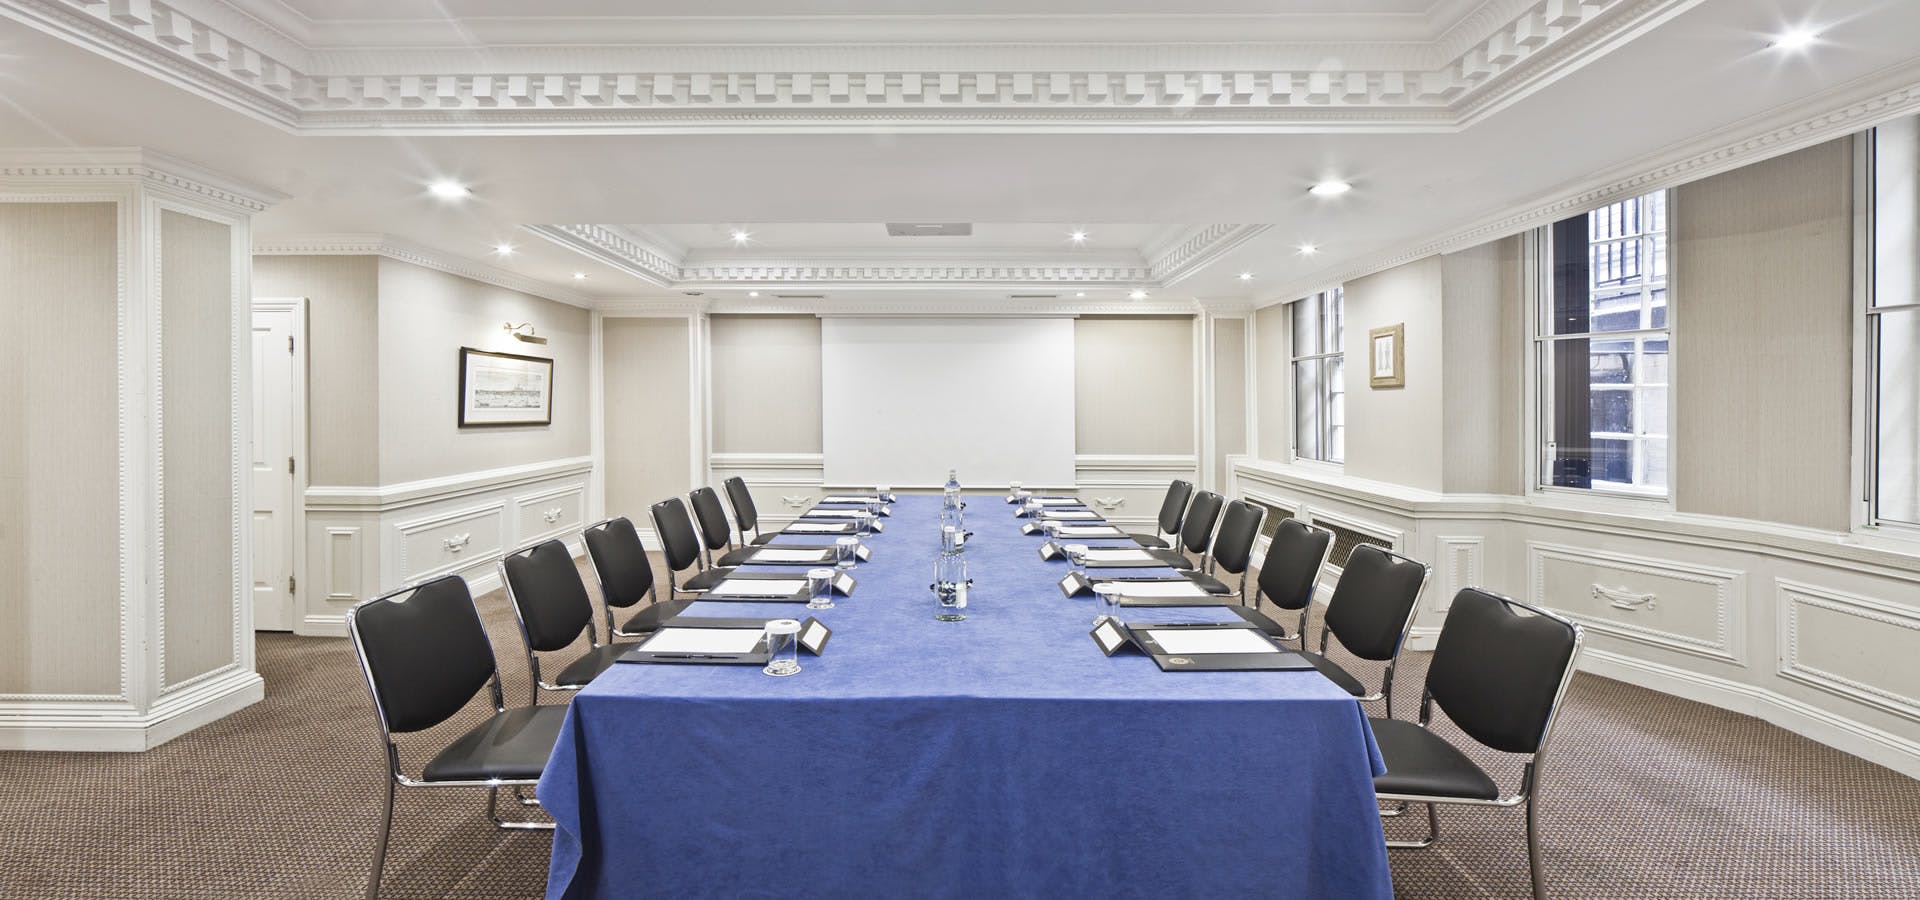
{"x":1387,"y":356}
{"x":504,"y":389}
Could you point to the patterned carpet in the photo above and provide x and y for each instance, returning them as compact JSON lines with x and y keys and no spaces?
{"x":1648,"y":796}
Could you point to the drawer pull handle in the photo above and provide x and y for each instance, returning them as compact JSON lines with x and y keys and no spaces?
{"x":458,"y":542}
{"x":1621,"y":598}
{"x":796,"y":501}
{"x":1109,"y":503}
{"x":551,"y":515}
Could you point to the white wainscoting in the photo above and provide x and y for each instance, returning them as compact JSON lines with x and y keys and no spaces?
{"x":365,"y":541}
{"x":1129,"y":488}
{"x":1812,"y":631}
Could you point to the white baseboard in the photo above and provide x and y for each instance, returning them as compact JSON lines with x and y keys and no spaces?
{"x":327,"y":625}
{"x":131,"y":732}
{"x":1804,"y":719}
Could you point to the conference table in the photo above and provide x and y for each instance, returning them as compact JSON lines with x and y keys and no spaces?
{"x":1003,"y":755}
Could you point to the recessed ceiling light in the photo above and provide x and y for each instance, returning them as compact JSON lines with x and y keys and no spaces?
{"x":579,"y":276}
{"x":1078,"y":236}
{"x":753,"y":293}
{"x":1330,"y":188}
{"x":1795,"y":39}
{"x":448,"y":189}
{"x":1309,"y":249}
{"x":1137,"y":294}
{"x":1246,"y":276}
{"x":503,"y":249}
{"x":1080,"y":294}
{"x":741,"y":235}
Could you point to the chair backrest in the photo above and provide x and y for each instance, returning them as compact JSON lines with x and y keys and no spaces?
{"x":1174,"y":508}
{"x":1233,"y":546}
{"x":547,"y":594}
{"x":1198,"y":529}
{"x":744,"y":513}
{"x":713,"y":519}
{"x":620,"y":562}
{"x":678,"y":543}
{"x":1373,"y":601}
{"x":1291,"y":571}
{"x":1500,"y":674}
{"x":424,"y":652}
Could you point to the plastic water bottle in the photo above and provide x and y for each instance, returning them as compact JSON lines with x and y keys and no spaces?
{"x":950,"y":500}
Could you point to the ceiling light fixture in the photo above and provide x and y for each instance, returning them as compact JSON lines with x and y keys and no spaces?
{"x":741,"y":235}
{"x":1246,"y":276}
{"x":1331,"y":187}
{"x":503,"y":249}
{"x":1137,"y":294}
{"x":1309,"y":249}
{"x":1080,"y":295}
{"x":1078,"y":236}
{"x":753,"y":293}
{"x":448,"y":189}
{"x":579,"y":276}
{"x":1795,"y":39}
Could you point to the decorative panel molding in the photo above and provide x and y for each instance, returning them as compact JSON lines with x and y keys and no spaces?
{"x":435,"y":545}
{"x":1677,"y":606}
{"x":340,"y":565}
{"x":1459,"y":565}
{"x":1877,"y":666}
{"x":404,"y":251}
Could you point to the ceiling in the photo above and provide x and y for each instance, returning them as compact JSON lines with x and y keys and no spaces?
{"x":641,"y":199}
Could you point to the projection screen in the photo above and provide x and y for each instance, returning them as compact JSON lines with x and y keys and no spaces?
{"x":907,"y":399}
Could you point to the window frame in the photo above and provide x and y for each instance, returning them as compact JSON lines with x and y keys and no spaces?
{"x":1866,"y":374}
{"x":1323,"y":397}
{"x":1537,"y":277}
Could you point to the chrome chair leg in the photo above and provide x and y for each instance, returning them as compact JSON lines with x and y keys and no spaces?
{"x":1393,"y":809}
{"x":1534,"y":867}
{"x":524,"y":799}
{"x":1433,"y":832}
{"x":493,"y":814}
{"x":380,"y":844}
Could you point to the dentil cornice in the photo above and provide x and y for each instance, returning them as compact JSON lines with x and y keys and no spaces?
{"x":157,"y":170}
{"x":356,"y":244}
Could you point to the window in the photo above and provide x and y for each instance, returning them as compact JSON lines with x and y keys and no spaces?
{"x":1893,"y":326}
{"x":1319,"y":378}
{"x":1603,"y":344}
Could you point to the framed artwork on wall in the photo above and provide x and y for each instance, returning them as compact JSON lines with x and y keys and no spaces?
{"x":504,"y":389}
{"x":1387,"y":357}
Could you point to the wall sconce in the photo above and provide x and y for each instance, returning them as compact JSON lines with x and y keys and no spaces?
{"x":524,"y":332}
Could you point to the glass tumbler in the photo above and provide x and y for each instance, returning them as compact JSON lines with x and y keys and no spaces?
{"x":819,"y":588}
{"x":1108,"y":594}
{"x":843,"y":550}
{"x":783,"y":647}
{"x":1077,"y":554}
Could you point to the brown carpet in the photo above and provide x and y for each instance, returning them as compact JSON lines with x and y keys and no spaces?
{"x":1648,"y":796}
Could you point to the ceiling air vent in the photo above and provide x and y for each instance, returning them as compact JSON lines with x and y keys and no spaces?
{"x":801,"y":296}
{"x":930,"y":229}
{"x":1034,"y":296}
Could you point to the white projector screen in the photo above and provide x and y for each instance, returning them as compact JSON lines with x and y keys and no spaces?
{"x":907,"y":399}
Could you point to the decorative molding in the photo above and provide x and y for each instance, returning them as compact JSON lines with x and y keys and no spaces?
{"x":1726,"y":645}
{"x":204,"y":188}
{"x":1460,"y":567}
{"x":714,"y":84}
{"x":1175,"y":464}
{"x":1793,"y":596}
{"x":124,"y":729}
{"x":407,"y":252}
{"x":401,"y":495}
{"x":1197,"y":248}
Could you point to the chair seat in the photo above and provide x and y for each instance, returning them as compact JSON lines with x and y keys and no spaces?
{"x":735,"y":557}
{"x":655,"y":615}
{"x":1335,"y":674}
{"x":583,"y":670}
{"x":1150,"y":541}
{"x":512,"y":746}
{"x":764,"y":538}
{"x":1210,"y":584}
{"x":1174,"y":558}
{"x":1421,"y":763}
{"x":705,"y":581}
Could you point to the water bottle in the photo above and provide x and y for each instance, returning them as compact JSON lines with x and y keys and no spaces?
{"x":950,"y":503}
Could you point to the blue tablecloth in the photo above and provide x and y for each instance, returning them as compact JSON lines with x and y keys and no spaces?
{"x":1002,"y":756}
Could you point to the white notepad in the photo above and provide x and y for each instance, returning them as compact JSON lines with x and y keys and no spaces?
{"x":1161,"y":589}
{"x":1091,"y":531}
{"x":775,"y":554}
{"x":1071,"y":514}
{"x":1195,"y":641}
{"x":849,"y":499}
{"x":703,"y":640}
{"x":831,"y":513}
{"x":817,"y":527}
{"x":1057,"y":501}
{"x":754,"y":587}
{"x":1118,"y":555}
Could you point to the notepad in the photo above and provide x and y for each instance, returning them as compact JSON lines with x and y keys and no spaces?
{"x":1197,"y":641}
{"x":1091,"y":531}
{"x":849,"y":499}
{"x":751,"y":587}
{"x":1057,"y":501}
{"x":1162,"y":589}
{"x":1118,"y":555}
{"x":832,"y":513}
{"x":1070,"y":514}
{"x":703,"y":640}
{"x":816,"y":527}
{"x":775,"y":554}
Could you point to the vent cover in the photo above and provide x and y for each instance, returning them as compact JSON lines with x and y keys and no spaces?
{"x":1033,"y":296}
{"x":930,"y":229}
{"x":801,"y":296}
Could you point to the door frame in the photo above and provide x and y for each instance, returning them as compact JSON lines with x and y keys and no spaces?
{"x":297,"y":511}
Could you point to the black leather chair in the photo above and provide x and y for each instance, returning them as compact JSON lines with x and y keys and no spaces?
{"x":716,"y":533}
{"x":745,"y":515}
{"x":1500,"y":671}
{"x":1290,"y":574}
{"x":1370,"y":611}
{"x":1196,"y":534}
{"x":681,"y":547}
{"x":551,"y":603}
{"x":1232,"y":550}
{"x":626,"y":577}
{"x":425,"y":656}
{"x":1172,"y":510}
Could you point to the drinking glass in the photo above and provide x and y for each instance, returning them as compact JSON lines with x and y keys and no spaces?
{"x":1077,"y":554}
{"x":863,"y":523}
{"x":1033,"y":509}
{"x":1108,"y":594}
{"x":783,"y":647}
{"x":1050,"y":528}
{"x":884,"y":490}
{"x":843,"y":549}
{"x":820,"y":588}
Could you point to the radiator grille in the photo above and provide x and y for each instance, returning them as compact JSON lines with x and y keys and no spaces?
{"x":1271,"y":525}
{"x":1345,"y":539}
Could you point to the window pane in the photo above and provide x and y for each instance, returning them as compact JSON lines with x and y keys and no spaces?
{"x":1896,"y":213}
{"x":1612,"y":362}
{"x":1613,"y":461}
{"x":1336,"y":321}
{"x":1336,"y":409}
{"x":1306,"y":408}
{"x":1897,"y":412}
{"x":1655,"y":450}
{"x":1652,"y":407}
{"x":1567,"y":409}
{"x":1306,"y":326}
{"x":1653,"y":361}
{"x":1612,"y":412}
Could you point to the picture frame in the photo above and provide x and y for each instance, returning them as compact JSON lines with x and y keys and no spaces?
{"x":504,"y":389}
{"x":1387,"y":357}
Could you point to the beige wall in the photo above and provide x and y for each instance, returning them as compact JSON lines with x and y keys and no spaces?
{"x":1133,"y":385}
{"x":196,"y":327}
{"x":343,"y":368}
{"x":1273,"y":381}
{"x":1482,"y":347}
{"x":648,"y":423}
{"x":1229,"y":393}
{"x":1763,"y":309}
{"x":425,"y":317}
{"x":766,"y":384}
{"x":59,"y":497}
{"x":1394,"y":434}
